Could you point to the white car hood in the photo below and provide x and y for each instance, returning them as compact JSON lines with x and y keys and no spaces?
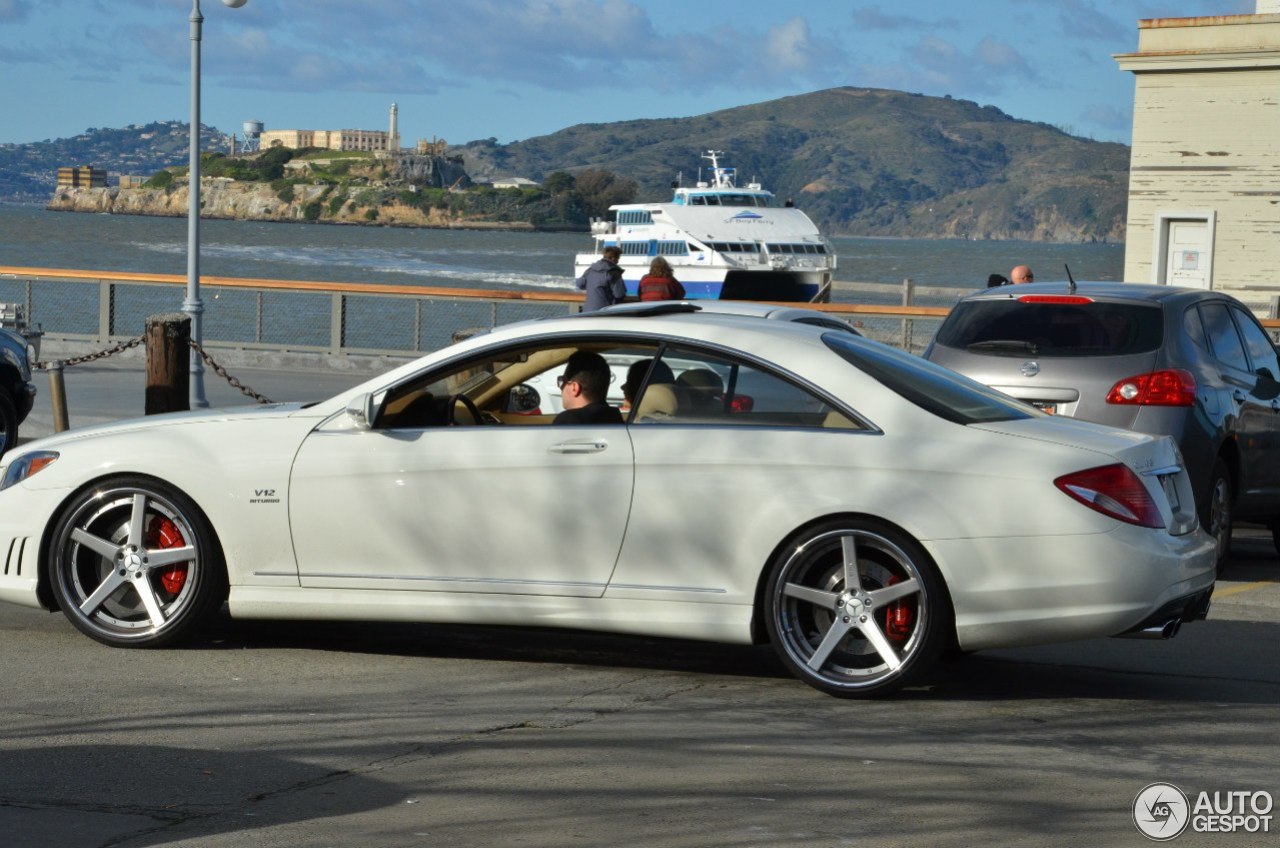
{"x":169,"y":419}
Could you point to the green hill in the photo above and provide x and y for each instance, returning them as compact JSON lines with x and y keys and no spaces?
{"x":862,"y":162}
{"x":30,"y":171}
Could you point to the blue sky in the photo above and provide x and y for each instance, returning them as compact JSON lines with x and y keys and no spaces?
{"x":513,"y":70}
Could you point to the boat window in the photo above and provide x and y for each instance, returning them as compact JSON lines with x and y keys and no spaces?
{"x":712,"y":200}
{"x":697,"y":200}
{"x":672,"y":248}
{"x":635,"y":216}
{"x":821,"y":248}
{"x":635,"y":248}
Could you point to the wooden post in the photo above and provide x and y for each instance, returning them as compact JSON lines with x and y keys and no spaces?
{"x":168,"y":340}
{"x":58,"y":397}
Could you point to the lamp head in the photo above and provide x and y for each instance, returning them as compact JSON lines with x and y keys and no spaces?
{"x":235,"y":4}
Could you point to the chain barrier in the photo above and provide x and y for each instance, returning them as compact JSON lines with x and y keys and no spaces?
{"x":222,"y":372}
{"x":90,"y":357}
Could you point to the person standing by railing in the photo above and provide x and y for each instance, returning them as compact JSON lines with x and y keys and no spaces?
{"x":603,"y":281}
{"x":660,"y":283}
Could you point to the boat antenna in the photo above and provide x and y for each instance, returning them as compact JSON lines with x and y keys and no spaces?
{"x":1071,"y":281}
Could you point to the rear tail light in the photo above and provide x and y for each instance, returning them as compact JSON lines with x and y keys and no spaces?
{"x":1113,"y":490}
{"x":1174,"y":387}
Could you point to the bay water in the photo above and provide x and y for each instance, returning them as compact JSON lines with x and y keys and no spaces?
{"x":473,"y":259}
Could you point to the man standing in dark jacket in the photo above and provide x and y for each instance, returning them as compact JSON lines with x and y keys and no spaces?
{"x":603,"y":281}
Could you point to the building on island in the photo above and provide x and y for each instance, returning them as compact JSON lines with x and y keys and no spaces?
{"x":131,"y":180}
{"x":375,"y":141}
{"x":372,"y":140}
{"x":514,"y":182}
{"x":1204,"y":177}
{"x":85,"y":176}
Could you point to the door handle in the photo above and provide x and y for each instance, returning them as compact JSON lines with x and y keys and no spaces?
{"x":579,"y":447}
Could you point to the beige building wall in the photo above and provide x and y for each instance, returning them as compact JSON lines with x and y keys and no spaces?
{"x":328,"y":139}
{"x":1206,"y":148}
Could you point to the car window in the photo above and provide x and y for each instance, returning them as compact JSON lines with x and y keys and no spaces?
{"x":1262,"y":352}
{"x":1013,"y":327}
{"x":516,"y":386}
{"x":691,"y":386}
{"x":1224,"y":341}
{"x":1194,"y":328}
{"x":931,"y":387}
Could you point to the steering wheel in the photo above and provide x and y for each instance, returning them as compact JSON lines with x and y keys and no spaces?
{"x":472,"y":409}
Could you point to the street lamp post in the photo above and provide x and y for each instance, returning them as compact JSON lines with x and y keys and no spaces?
{"x":193,"y":305}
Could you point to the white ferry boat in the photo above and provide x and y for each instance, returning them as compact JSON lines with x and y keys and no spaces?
{"x":723,"y":242}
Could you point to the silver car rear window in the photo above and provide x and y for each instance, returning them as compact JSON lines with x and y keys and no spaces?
{"x":1017,"y":328}
{"x":931,"y":387}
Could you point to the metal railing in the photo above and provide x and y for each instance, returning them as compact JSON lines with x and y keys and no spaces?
{"x":101,"y":308}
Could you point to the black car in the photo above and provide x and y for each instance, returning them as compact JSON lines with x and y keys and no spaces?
{"x":17,"y":392}
{"x":1192,"y":364}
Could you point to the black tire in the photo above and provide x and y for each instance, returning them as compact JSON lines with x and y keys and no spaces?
{"x":856,"y":642}
{"x":1216,"y":510}
{"x":146,"y":586}
{"x":8,"y":422}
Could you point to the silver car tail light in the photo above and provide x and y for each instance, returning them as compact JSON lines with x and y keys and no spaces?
{"x":1115,"y":491}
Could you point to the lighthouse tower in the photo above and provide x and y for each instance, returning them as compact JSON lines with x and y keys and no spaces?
{"x":393,"y":137}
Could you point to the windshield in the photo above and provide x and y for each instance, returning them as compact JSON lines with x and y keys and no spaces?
{"x":1017,"y":328}
{"x":931,"y":387}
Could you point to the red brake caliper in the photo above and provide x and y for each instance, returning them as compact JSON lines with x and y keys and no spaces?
{"x":163,"y":533}
{"x":898,"y":616}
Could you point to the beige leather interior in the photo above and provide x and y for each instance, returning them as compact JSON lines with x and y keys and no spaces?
{"x":659,"y":402}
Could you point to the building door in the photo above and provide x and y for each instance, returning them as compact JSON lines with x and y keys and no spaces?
{"x":1187,"y":254}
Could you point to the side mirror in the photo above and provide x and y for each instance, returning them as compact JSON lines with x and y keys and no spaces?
{"x":523,"y":399}
{"x":360,"y":410}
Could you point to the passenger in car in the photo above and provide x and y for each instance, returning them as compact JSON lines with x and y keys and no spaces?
{"x":584,"y":386}
{"x":635,"y":377}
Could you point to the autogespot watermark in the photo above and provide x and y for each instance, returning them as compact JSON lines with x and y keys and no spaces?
{"x":1162,"y":812}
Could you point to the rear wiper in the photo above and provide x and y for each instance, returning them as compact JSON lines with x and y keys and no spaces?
{"x":1016,"y":345}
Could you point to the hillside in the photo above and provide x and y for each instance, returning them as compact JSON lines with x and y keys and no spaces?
{"x":862,"y":162}
{"x":30,"y":171}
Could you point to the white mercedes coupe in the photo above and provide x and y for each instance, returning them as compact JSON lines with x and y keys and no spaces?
{"x":859,"y":508}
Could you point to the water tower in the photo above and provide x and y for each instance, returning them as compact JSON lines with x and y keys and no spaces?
{"x":252,"y":136}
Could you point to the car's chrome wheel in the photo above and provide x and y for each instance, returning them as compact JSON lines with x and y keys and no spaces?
{"x":133,"y":562}
{"x":1215,"y":515}
{"x":856,"y":609}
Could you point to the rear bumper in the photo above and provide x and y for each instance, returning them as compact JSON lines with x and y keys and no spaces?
{"x":1193,"y":607}
{"x":1016,"y":591}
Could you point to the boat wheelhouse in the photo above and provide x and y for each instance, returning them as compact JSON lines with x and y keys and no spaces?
{"x":723,"y":241}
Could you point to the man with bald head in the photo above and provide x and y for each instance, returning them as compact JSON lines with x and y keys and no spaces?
{"x":1021,"y":274}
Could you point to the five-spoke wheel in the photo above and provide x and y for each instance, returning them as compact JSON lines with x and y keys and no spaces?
{"x":856,"y":608}
{"x":134,"y":562}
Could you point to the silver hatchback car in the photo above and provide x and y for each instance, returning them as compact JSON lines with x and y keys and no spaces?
{"x":1192,"y":364}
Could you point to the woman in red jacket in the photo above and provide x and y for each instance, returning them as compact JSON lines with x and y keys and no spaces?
{"x":660,"y":283}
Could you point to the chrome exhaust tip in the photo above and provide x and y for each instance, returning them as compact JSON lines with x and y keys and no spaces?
{"x":1167,"y":630}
